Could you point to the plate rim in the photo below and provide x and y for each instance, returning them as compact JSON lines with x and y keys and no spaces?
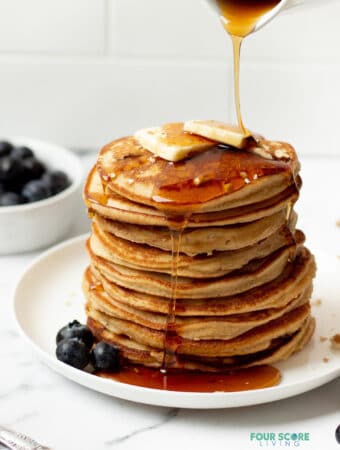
{"x":156,"y":397}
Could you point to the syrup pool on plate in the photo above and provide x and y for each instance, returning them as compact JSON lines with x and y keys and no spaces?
{"x":242,"y":380}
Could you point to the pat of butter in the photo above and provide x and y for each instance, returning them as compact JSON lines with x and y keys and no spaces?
{"x":218,"y":131}
{"x":172,"y":142}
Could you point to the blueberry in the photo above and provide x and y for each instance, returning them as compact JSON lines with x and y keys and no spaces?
{"x":10,"y":169}
{"x":35,"y":190}
{"x":57,"y":180}
{"x":22,"y":152}
{"x":105,"y":357}
{"x":10,"y":199}
{"x":337,"y":434}
{"x":76,"y":330}
{"x":5,"y":148}
{"x":73,"y":352}
{"x":33,"y":168}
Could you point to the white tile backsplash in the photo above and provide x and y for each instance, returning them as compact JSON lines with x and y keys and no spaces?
{"x":299,"y":36}
{"x":53,"y":26}
{"x":296,"y":105}
{"x":86,"y":104}
{"x":159,"y":28}
{"x":83,"y":72}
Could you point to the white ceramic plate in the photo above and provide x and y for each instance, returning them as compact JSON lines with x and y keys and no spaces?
{"x":49,"y":296}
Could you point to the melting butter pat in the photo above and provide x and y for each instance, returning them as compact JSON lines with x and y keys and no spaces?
{"x":218,"y":131}
{"x":171,"y":142}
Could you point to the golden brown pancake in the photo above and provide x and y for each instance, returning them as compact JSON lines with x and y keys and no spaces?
{"x":194,"y":327}
{"x":116,"y":207}
{"x":143,"y":257}
{"x":252,"y":275}
{"x":291,"y":283}
{"x":141,"y":354}
{"x":252,"y":341}
{"x":196,"y":241}
{"x":133,"y":172}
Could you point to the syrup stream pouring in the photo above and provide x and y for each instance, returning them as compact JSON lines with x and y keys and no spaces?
{"x":240,"y":18}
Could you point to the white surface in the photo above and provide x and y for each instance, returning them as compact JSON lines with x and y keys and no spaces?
{"x":35,"y":225}
{"x":83,"y":72}
{"x":34,"y":399}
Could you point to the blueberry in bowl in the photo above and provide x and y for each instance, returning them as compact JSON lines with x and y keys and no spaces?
{"x":25,"y":175}
{"x":5,"y":148}
{"x":8,"y":198}
{"x":40,"y":186}
{"x":21,"y":152}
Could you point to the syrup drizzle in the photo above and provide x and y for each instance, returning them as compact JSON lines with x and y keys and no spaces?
{"x":239,"y":18}
{"x":171,"y":339}
{"x":237,"y":43}
{"x":215,"y":172}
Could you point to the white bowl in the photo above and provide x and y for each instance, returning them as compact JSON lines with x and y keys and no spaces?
{"x":35,"y":225}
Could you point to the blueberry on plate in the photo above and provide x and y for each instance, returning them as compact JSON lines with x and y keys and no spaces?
{"x":5,"y":148}
{"x":35,"y":190}
{"x":10,"y":169}
{"x":73,"y":352}
{"x":10,"y":199}
{"x":57,"y":180}
{"x":105,"y":357}
{"x":22,"y":152}
{"x":76,"y":330}
{"x":33,"y":168}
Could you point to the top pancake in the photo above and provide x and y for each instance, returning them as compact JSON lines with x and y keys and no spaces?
{"x":219,"y":178}
{"x":115,"y":207}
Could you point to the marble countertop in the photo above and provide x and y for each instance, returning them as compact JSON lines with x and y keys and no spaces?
{"x":66,"y":416}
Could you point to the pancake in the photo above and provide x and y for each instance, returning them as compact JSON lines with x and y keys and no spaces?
{"x":133,"y":172}
{"x":137,"y":256}
{"x":252,"y":275}
{"x":136,"y":353}
{"x":201,"y":240}
{"x":116,"y":207}
{"x":294,"y":280}
{"x":252,"y":341}
{"x":200,"y":327}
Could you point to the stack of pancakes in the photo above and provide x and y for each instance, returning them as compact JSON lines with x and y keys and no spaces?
{"x":244,"y":277}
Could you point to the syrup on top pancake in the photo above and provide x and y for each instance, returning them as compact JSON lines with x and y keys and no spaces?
{"x":205,"y":178}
